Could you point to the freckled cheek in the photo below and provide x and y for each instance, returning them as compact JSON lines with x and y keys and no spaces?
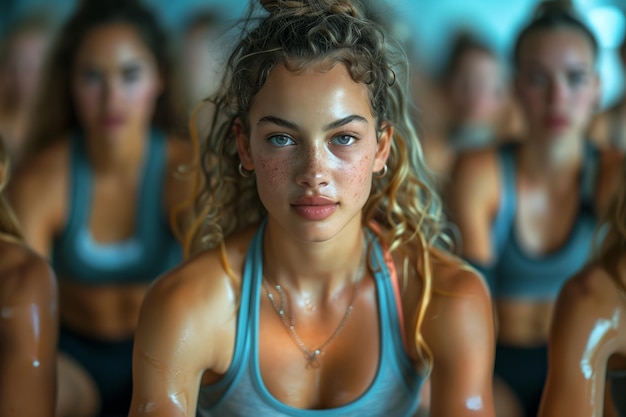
{"x":273,"y":172}
{"x":141,"y":99}
{"x":357,"y":178}
{"x":87,"y":102}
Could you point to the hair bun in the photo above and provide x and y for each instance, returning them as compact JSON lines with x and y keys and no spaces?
{"x":550,"y":7}
{"x":310,"y":7}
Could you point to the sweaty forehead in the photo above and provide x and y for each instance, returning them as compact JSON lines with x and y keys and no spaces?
{"x":564,"y":46}
{"x":316,"y":90}
{"x":112,"y":44}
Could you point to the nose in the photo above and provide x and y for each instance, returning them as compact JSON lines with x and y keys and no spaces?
{"x":112,"y":94}
{"x":557,"y":93}
{"x":312,"y":166}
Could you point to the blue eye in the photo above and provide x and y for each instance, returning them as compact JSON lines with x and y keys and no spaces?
{"x":576,"y":78}
{"x":281,"y":140}
{"x":92,"y":76}
{"x":131,"y":74}
{"x":344,"y":140}
{"x":538,"y":79}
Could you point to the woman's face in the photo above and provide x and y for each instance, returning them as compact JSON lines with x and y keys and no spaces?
{"x":312,"y":142}
{"x":556,"y":84}
{"x":476,"y":89}
{"x":115,"y":82}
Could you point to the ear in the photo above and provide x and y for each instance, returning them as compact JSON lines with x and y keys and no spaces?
{"x":383,"y":147}
{"x":243,"y":145}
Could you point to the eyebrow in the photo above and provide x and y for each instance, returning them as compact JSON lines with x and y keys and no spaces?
{"x":333,"y":125}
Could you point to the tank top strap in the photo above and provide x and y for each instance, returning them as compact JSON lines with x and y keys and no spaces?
{"x":150,"y":209}
{"x":503,"y":221}
{"x":80,"y":184}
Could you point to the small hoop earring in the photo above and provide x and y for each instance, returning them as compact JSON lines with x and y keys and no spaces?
{"x":381,"y":173}
{"x":244,"y":172}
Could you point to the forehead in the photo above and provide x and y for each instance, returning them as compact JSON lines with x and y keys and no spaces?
{"x":317,"y":89}
{"x":566,"y":46}
{"x":115,"y":41}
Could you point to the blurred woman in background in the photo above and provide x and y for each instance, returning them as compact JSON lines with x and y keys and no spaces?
{"x":527,"y":211}
{"x":588,"y":336}
{"x":475,"y":105}
{"x":22,"y":54}
{"x":95,"y":196}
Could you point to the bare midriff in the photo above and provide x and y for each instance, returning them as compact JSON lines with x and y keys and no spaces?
{"x":108,"y":312}
{"x":524,"y":323}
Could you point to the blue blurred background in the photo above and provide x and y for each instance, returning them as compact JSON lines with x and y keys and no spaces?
{"x":429,"y":25}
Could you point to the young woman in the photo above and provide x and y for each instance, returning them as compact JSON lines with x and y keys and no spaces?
{"x":588,"y":336}
{"x":28,"y":319}
{"x":22,"y":54}
{"x":527,"y":212}
{"x":476,"y":106}
{"x":324,"y":293}
{"x":95,"y":197}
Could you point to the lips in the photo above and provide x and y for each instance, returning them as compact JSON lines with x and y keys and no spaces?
{"x":112,"y":121}
{"x":314,"y":208}
{"x":556,"y":122}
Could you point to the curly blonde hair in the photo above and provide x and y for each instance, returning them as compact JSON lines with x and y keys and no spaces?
{"x":297,"y":34}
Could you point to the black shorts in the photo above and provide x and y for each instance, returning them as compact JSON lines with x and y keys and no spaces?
{"x":109,"y":363}
{"x":524,"y":369}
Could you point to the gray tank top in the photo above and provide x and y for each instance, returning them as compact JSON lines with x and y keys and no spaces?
{"x":394,"y":391}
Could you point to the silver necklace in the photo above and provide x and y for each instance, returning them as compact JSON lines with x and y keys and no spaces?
{"x":312,"y":356}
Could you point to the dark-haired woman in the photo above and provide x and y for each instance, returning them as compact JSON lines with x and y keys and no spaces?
{"x":527,"y":212}
{"x":28,"y":319}
{"x":96,"y":195}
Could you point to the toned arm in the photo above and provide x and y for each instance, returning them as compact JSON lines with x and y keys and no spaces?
{"x":175,"y":343}
{"x":38,"y":194}
{"x":584,"y":334}
{"x":472,"y":200}
{"x":459,"y":331}
{"x":28,"y":331}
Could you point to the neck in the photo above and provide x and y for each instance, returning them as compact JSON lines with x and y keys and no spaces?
{"x":314,"y":270}
{"x":551,"y":159}
{"x":119,"y":155}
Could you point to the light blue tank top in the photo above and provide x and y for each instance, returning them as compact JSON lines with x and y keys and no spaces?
{"x":242,"y":393}
{"x":151,"y":251}
{"x":517,"y":274}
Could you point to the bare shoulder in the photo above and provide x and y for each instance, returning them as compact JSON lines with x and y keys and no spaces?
{"x":459,"y":309}
{"x":44,"y":175}
{"x":207,"y":283}
{"x":475,"y":179}
{"x":179,"y":303}
{"x":25,"y":277}
{"x":478,"y":164}
{"x":590,"y":293}
{"x":456,"y":285}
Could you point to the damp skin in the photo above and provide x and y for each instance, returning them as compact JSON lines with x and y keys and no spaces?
{"x":28,"y":331}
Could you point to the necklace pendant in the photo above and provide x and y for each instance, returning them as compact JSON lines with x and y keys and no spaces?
{"x":313,"y":359}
